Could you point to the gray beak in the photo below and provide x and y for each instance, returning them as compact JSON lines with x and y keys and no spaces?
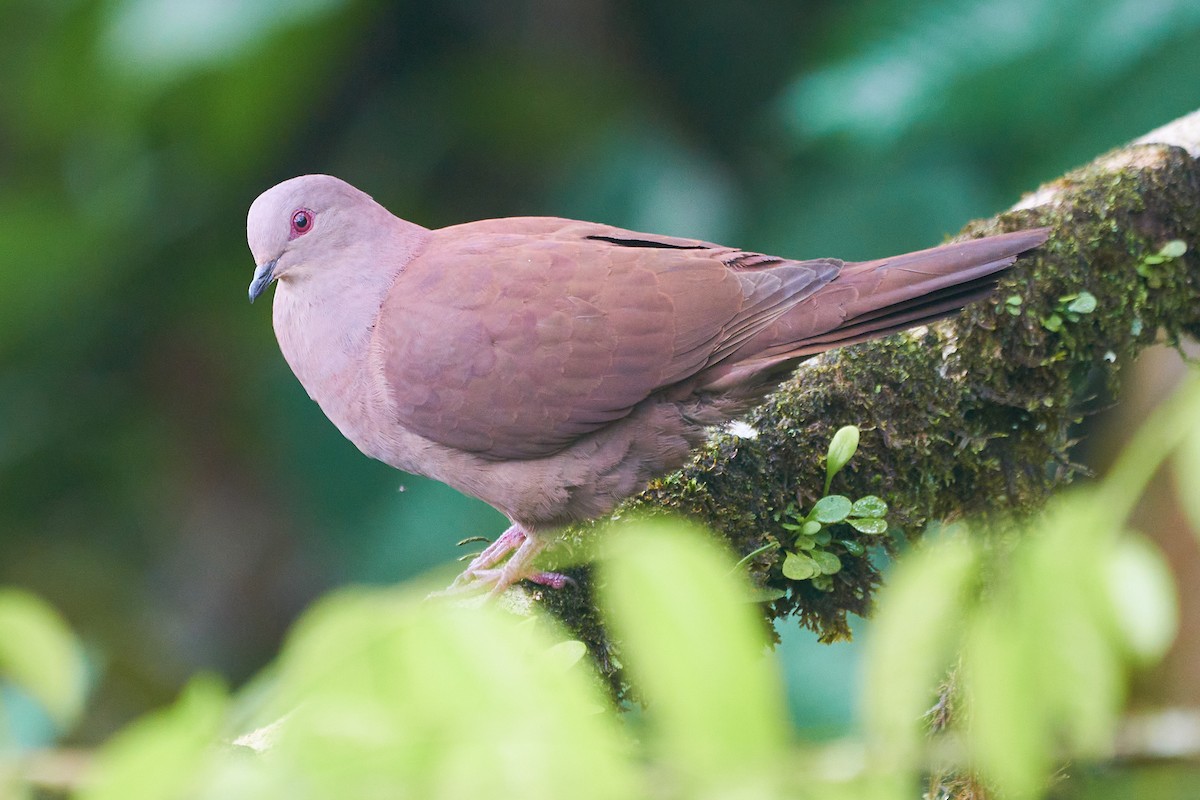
{"x":264,"y":276}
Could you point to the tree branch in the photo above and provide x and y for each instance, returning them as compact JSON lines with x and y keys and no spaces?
{"x":972,"y":416}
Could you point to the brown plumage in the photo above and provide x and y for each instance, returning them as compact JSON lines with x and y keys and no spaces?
{"x":552,"y":367}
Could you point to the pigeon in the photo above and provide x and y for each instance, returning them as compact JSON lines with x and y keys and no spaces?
{"x":552,"y":367}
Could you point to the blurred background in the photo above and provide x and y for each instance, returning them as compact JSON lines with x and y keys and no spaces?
{"x":164,"y":480}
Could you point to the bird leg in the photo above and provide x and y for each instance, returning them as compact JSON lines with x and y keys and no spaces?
{"x":493,"y":553}
{"x":524,"y":548}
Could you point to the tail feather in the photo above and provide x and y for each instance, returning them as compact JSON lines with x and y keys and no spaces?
{"x":894,"y":282}
{"x":981,"y":286}
{"x":872,"y":299}
{"x":894,"y":323}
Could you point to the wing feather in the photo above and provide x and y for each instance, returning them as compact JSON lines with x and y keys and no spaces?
{"x":513,"y":338}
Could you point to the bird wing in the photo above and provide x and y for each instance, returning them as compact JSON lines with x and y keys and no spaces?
{"x":512,"y":338}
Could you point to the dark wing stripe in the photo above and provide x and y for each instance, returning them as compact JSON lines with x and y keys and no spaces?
{"x":646,"y":243}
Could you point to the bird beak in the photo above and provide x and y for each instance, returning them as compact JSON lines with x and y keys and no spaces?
{"x":264,"y":276}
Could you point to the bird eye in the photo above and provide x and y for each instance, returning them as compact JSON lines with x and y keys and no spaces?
{"x":302,"y":221}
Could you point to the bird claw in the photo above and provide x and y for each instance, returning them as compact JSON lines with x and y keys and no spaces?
{"x":552,"y":580}
{"x":483,"y":574}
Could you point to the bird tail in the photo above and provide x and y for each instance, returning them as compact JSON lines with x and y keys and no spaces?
{"x":872,"y":299}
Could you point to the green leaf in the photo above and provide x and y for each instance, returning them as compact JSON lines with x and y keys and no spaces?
{"x":567,"y":654}
{"x":914,"y":638}
{"x":163,"y":754}
{"x":1173,"y":249}
{"x":852,"y":547}
{"x":869,"y":506}
{"x":823,"y":583}
{"x":1010,"y":740}
{"x":830,"y":509}
{"x":841,"y":449}
{"x":773,"y":545}
{"x":765,"y":594}
{"x":1041,"y":667}
{"x":716,"y":716}
{"x":799,"y":567}
{"x":869,"y":525}
{"x":39,"y":653}
{"x":416,"y":695}
{"x":1085,"y":303}
{"x":1186,"y":463}
{"x":827,"y":562}
{"x":811,"y":528}
{"x":1145,"y":607}
{"x":1052,"y":323}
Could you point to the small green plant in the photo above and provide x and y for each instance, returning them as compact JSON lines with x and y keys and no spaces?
{"x":1169,"y":252}
{"x":820,"y":535}
{"x":1070,"y":308}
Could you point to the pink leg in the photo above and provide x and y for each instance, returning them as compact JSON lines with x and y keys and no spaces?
{"x":481,"y":572}
{"x":508,"y":541}
{"x":519,"y":565}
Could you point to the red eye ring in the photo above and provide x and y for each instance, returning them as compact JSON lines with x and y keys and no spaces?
{"x":302,"y":222}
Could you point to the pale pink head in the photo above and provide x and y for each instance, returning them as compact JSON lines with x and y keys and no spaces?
{"x":301,"y":224}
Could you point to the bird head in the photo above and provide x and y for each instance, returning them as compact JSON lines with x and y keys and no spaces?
{"x":296,"y":226}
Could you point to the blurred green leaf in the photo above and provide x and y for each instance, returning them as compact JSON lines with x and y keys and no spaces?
{"x":1186,"y":472}
{"x":1043,"y":672}
{"x":439,"y":701}
{"x":922,"y":611}
{"x":1010,"y":732}
{"x":163,"y":755}
{"x":11,"y":788}
{"x":567,"y":654}
{"x":1172,"y":428}
{"x":1145,"y":608}
{"x":39,"y":653}
{"x":697,"y":653}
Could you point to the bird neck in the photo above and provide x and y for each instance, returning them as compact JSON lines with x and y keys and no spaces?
{"x":324,"y":316}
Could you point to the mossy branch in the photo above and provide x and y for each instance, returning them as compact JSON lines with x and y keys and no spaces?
{"x":971,"y":416}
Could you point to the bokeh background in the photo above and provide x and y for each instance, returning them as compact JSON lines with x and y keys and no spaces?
{"x":167,"y":484}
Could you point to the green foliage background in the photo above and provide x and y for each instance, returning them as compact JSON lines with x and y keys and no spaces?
{"x":164,"y":481}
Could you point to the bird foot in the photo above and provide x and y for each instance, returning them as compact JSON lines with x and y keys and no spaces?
{"x":552,"y":580}
{"x":521,"y":548}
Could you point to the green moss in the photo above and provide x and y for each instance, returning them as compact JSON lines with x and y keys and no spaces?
{"x":971,"y":417}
